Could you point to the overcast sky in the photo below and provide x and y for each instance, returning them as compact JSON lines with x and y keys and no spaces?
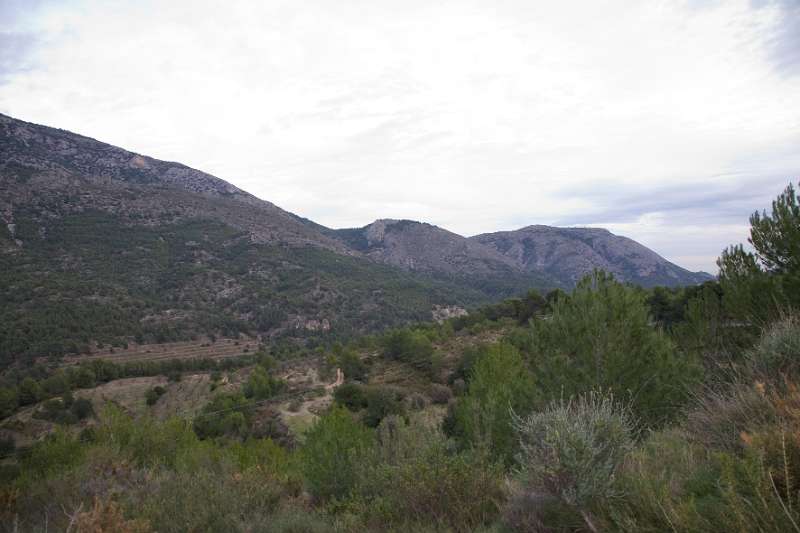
{"x":668,"y":122}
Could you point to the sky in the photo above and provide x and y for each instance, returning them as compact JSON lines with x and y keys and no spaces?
{"x":669,"y":122}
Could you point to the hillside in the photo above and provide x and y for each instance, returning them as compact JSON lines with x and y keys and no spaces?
{"x":101,"y":245}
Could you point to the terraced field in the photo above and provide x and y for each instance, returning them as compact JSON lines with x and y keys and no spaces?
{"x":201,"y":348}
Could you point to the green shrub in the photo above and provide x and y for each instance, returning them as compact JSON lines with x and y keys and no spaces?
{"x":414,"y":481}
{"x":382,"y":401}
{"x":82,"y":408}
{"x":352,"y":366}
{"x":670,"y":485}
{"x":8,"y":401}
{"x":573,"y":449}
{"x":334,"y":447}
{"x":600,"y":338}
{"x":153,"y":394}
{"x":29,"y":392}
{"x":500,"y":382}
{"x":58,"y":452}
{"x":777,"y":354}
{"x":350,"y":395}
{"x":410,"y":346}
{"x":226,"y":414}
{"x":260,"y":385}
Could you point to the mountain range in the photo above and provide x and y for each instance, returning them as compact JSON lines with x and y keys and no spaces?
{"x":102,"y":245}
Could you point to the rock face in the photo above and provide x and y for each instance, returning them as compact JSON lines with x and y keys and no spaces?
{"x":445,"y":312}
{"x":567,"y":254}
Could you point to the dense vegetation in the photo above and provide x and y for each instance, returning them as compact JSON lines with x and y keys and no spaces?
{"x":609,"y":408}
{"x":93,"y":278}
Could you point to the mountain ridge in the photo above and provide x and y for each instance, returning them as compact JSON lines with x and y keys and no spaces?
{"x":100,"y":244}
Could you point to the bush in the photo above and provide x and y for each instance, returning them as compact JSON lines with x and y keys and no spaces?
{"x":409,"y":346}
{"x":350,"y":395}
{"x":352,"y":366}
{"x":719,"y":416}
{"x":260,"y":385}
{"x":416,"y":401}
{"x":334,"y":447}
{"x":154,"y":394}
{"x":382,"y":401}
{"x":414,"y":481}
{"x":106,"y":516}
{"x":82,"y":408}
{"x":573,"y":450}
{"x":600,"y":338}
{"x":777,"y":354}
{"x":8,"y":401}
{"x":226,"y":414}
{"x":29,"y":392}
{"x":674,"y":486}
{"x":440,"y":394}
{"x":500,"y":381}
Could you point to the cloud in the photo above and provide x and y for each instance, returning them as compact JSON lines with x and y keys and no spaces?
{"x":668,"y":122}
{"x":783,"y":43}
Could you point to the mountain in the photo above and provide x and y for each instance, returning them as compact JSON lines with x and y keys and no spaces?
{"x":567,"y":254}
{"x":534,"y":256}
{"x":99,"y":245}
{"x":424,"y":248}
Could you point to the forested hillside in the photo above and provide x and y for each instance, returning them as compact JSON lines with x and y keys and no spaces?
{"x":608,"y":407}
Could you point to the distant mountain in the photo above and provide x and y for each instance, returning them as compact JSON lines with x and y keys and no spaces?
{"x":531,"y":256}
{"x":99,"y":244}
{"x":567,"y":254}
{"x":423,"y":248}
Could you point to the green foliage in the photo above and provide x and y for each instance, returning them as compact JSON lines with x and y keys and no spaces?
{"x":759,"y":286}
{"x":776,"y":237}
{"x":351,"y":395}
{"x":29,"y":392}
{"x":600,"y":338}
{"x":333,"y":449}
{"x":573,"y":449}
{"x":352,"y":366}
{"x":410,"y":346}
{"x":8,"y":401}
{"x":153,"y":394}
{"x":82,"y":408}
{"x":382,"y":401}
{"x":777,"y":354}
{"x":91,"y":276}
{"x":414,"y":480}
{"x":500,"y":383}
{"x":226,"y":414}
{"x":58,"y":452}
{"x":520,"y":310}
{"x":260,"y":385}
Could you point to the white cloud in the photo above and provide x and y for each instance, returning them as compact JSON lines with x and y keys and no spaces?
{"x":476,"y":116}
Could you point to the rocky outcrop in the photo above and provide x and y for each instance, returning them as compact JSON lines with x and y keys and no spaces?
{"x":445,"y":312}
